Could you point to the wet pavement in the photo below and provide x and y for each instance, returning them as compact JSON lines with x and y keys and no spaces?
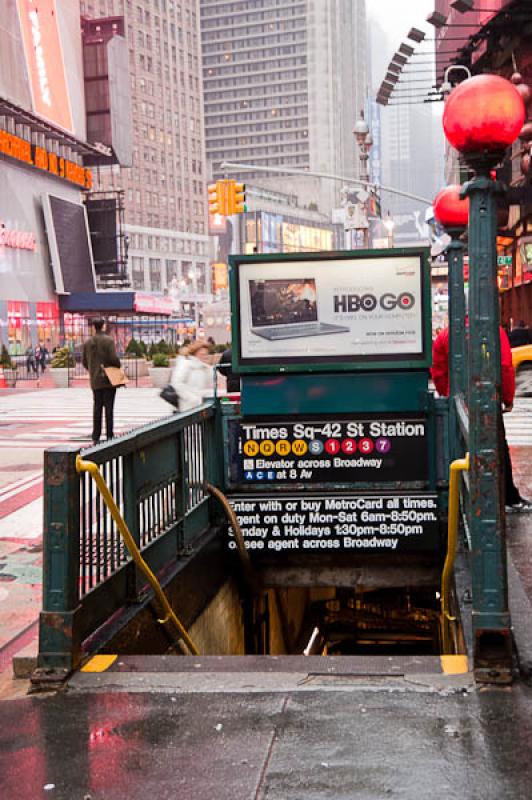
{"x":209,"y":733}
{"x":382,"y":740}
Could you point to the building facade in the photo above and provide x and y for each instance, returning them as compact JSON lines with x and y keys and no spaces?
{"x":284,"y":82}
{"x":42,"y":150}
{"x":165,"y":189}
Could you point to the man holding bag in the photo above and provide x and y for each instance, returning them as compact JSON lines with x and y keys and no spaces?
{"x":99,"y":352}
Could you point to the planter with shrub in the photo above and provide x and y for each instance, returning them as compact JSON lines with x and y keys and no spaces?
{"x":160,"y":370}
{"x":62,"y":361}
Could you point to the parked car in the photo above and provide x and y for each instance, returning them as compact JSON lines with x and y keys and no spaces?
{"x":522,"y":361}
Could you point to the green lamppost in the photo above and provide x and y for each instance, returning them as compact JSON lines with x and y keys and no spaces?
{"x":453,"y":214}
{"x":483,"y":117}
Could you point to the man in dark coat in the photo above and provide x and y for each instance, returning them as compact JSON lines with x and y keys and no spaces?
{"x":99,"y":352}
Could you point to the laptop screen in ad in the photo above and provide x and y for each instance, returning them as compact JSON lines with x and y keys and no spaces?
{"x":283,"y":302}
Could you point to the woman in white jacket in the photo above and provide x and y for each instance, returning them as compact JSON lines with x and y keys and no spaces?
{"x":193,"y":376}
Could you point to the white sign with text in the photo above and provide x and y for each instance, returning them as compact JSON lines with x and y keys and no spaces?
{"x":333,"y":308}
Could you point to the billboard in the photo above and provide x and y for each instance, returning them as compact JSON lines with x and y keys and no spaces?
{"x":70,"y":247}
{"x":44,"y":58}
{"x":331,"y":310}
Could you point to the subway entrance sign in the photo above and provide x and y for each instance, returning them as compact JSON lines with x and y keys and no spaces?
{"x":334,"y":448}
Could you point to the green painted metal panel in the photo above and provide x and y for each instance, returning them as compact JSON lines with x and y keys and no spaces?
{"x":332,"y":394}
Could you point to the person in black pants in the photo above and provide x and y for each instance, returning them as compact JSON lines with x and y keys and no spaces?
{"x":99,"y":352}
{"x":225,"y":367}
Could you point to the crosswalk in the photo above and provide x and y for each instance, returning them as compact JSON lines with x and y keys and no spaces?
{"x":57,"y":416}
{"x":518,"y":423}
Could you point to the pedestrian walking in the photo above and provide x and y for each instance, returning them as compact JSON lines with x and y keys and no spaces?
{"x":440,"y":375}
{"x":193,"y":375}
{"x":31,"y":365}
{"x":98,"y":352}
{"x":41,"y":354}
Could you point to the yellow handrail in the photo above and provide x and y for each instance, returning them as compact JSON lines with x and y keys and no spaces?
{"x":94,"y":471}
{"x":460,"y":465}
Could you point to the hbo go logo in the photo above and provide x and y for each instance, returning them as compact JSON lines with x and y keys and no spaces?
{"x":369,"y":302}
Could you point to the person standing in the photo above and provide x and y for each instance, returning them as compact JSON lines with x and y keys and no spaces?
{"x":440,"y":376}
{"x":520,"y":335}
{"x":226,"y":369}
{"x":98,"y":352}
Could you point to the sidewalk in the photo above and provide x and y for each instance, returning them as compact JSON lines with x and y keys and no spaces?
{"x":32,"y":420}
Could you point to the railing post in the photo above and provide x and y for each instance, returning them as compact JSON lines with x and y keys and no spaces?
{"x":131,"y":517}
{"x":59,"y":639}
{"x":491,"y":620}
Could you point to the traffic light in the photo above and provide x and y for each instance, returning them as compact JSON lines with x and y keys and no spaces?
{"x":239,"y":198}
{"x":215,"y":199}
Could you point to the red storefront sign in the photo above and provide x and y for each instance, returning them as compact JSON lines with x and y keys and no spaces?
{"x":20,"y":240}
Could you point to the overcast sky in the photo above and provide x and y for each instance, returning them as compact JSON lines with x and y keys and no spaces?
{"x":397,"y":17}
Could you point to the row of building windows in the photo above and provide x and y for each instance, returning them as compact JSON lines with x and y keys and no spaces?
{"x":272,"y":119}
{"x":293,"y":93}
{"x":255,"y":55}
{"x":255,"y":43}
{"x":167,"y":244}
{"x":160,"y":275}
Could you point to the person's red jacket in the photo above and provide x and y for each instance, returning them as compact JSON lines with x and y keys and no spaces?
{"x":440,"y":366}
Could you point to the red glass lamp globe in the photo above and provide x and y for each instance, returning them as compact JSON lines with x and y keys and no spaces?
{"x":449,"y":209}
{"x":483,"y":114}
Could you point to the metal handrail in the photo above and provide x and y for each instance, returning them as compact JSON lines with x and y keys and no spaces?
{"x":94,"y":471}
{"x":458,"y":466}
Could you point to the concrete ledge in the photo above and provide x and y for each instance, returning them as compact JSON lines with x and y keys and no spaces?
{"x":521,"y":613}
{"x":25,"y":660}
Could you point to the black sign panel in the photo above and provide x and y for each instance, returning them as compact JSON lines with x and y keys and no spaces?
{"x":324,"y":451}
{"x":328,"y":523}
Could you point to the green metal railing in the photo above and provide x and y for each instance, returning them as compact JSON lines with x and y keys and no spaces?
{"x":157,"y":476}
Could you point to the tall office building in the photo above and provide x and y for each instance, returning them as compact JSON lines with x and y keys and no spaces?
{"x":284,"y":81}
{"x":165,"y":189}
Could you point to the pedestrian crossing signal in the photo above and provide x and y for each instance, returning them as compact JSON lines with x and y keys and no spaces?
{"x":239,"y":198}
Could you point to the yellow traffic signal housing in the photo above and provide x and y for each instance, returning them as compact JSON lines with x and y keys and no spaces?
{"x":239,"y":198}
{"x":215,"y":199}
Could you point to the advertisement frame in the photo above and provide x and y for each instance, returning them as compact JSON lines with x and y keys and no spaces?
{"x":357,"y":363}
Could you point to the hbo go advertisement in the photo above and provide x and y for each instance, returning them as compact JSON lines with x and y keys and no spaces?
{"x":331,"y":309}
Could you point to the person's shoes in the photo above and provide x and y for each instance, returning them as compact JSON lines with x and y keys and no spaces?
{"x":522,"y":507}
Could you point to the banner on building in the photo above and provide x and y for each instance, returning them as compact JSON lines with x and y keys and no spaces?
{"x":44,"y":58}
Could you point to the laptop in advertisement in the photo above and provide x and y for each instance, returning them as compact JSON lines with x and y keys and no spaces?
{"x":287,"y":309}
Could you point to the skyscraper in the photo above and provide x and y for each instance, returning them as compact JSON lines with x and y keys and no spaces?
{"x":164,"y":191}
{"x":284,"y":82}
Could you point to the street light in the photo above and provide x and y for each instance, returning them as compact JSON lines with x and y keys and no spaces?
{"x":452,"y":212}
{"x":482,"y":118}
{"x":364,"y":142}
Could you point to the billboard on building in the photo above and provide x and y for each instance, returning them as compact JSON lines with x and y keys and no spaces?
{"x":69,"y":243}
{"x":44,"y":60}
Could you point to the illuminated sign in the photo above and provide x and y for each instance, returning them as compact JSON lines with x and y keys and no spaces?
{"x":151,"y":304}
{"x":20,"y":240}
{"x":44,"y":59}
{"x":219,"y":277}
{"x":22,"y":150}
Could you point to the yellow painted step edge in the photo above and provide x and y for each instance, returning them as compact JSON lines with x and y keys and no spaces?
{"x":99,"y":663}
{"x":454,"y":665}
